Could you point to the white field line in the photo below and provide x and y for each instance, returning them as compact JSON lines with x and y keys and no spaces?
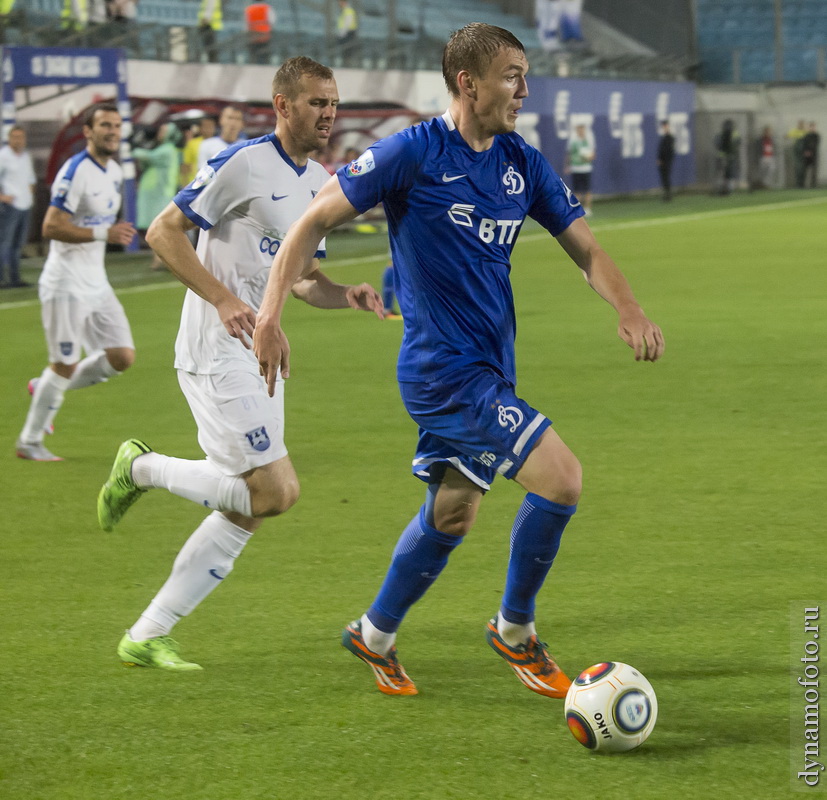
{"x":726,"y":212}
{"x":529,"y":237}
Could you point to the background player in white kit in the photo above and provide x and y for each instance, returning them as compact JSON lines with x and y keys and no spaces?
{"x":244,"y":200}
{"x":79,"y":309}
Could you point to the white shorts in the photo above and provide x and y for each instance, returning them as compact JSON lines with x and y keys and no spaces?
{"x":240,"y":427}
{"x":73,"y":325}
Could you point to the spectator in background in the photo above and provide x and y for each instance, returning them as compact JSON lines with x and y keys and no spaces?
{"x":766,"y":159}
{"x":666,"y":155}
{"x":74,"y":16}
{"x":160,"y":167}
{"x":727,"y":147}
{"x":17,"y":182}
{"x":122,"y":11}
{"x":796,"y":137}
{"x":210,"y":21}
{"x":122,"y":14}
{"x":260,"y":19}
{"x":230,"y":124}
{"x":347,"y":26}
{"x":809,"y":155}
{"x":88,"y":16}
{"x":580,"y":156}
{"x":331,"y":158}
{"x":7,"y":17}
{"x":188,"y":133}
{"x":189,"y":156}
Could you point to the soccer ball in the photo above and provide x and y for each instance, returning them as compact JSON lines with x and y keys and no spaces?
{"x":611,"y":707}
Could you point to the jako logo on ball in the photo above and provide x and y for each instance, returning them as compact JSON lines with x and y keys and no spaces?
{"x":611,"y":707}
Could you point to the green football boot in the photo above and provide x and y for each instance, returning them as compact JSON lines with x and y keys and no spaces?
{"x":120,"y":492}
{"x":158,"y":653}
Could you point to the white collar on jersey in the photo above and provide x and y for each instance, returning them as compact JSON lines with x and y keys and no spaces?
{"x":449,"y":120}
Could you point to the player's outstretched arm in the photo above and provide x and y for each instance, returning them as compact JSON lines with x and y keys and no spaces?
{"x":294,"y":260}
{"x":167,"y":236}
{"x":317,"y":289}
{"x":57,"y":224}
{"x":603,"y":275}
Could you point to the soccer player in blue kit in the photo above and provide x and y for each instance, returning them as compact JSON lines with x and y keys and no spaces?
{"x":456,"y":191}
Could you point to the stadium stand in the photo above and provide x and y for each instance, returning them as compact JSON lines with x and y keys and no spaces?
{"x":400,"y":34}
{"x":738,"y":41}
{"x":742,"y":41}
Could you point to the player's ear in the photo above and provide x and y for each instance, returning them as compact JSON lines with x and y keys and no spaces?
{"x":466,"y":83}
{"x":280,"y":105}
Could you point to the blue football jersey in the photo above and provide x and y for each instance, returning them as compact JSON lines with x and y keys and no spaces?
{"x":453,"y":217}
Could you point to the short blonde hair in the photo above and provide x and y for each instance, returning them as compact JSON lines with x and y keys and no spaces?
{"x":472,"y":48}
{"x":287,"y":80}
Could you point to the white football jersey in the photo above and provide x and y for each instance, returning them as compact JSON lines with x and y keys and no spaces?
{"x":244,"y":200}
{"x":91,"y":193}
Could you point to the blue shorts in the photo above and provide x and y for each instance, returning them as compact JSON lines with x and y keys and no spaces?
{"x":473,"y":420}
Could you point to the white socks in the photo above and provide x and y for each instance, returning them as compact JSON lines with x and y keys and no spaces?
{"x":198,"y":481}
{"x":512,"y":633}
{"x":208,"y":555}
{"x":46,"y":402}
{"x":48,"y":396}
{"x":376,"y":640}
{"x":205,"y":560}
{"x":93,"y":369}
{"x":381,"y":642}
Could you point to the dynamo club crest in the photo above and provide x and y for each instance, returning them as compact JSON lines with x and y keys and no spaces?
{"x":258,"y":439}
{"x":514,"y":181}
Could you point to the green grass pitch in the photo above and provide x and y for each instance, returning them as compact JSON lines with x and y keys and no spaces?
{"x":698,"y":542}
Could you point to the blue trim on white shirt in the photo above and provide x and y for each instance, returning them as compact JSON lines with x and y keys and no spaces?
{"x":190,"y":214}
{"x":73,"y":163}
{"x":289,"y":161}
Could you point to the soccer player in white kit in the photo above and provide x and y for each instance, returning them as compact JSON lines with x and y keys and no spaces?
{"x":243,"y":200}
{"x":79,"y":308}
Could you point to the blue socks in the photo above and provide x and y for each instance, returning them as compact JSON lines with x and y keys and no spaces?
{"x":535,"y":540}
{"x":421,"y":554}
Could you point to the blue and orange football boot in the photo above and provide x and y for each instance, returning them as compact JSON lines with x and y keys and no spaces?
{"x":390,"y":677}
{"x":531,"y":663}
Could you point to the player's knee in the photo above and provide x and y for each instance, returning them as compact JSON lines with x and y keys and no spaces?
{"x":249,"y":524}
{"x":64,"y":370}
{"x":121,"y":359}
{"x":561,"y":481}
{"x":456,"y":521}
{"x":276,"y":499}
{"x":568,"y":483}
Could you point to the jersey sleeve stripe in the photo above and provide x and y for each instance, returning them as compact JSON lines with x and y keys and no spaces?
{"x":192,"y":216}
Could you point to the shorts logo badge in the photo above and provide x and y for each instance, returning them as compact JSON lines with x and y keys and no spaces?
{"x":66,"y":348}
{"x":258,"y":439}
{"x":510,"y":416}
